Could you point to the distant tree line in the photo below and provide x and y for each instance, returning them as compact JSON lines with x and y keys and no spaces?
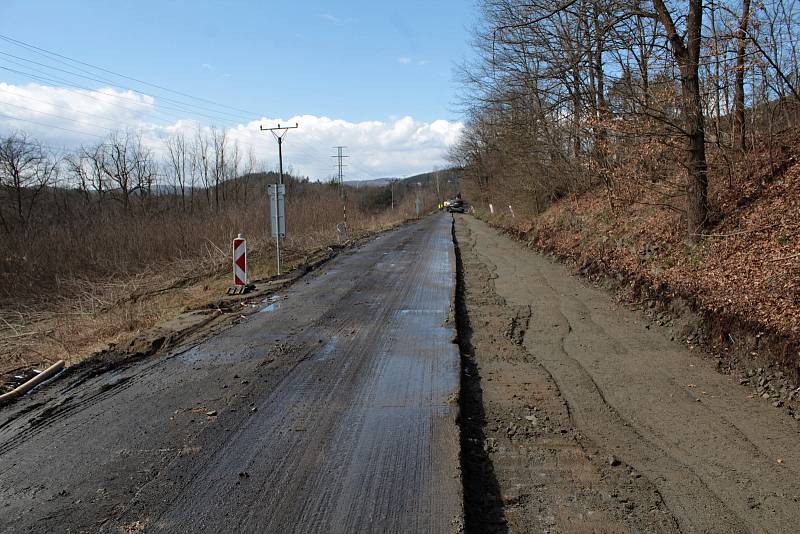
{"x":206,"y":171}
{"x":121,"y":207}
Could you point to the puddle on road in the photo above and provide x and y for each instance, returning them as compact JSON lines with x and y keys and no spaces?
{"x":274,"y":304}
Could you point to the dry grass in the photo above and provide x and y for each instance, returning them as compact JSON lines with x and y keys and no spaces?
{"x":104,"y":283}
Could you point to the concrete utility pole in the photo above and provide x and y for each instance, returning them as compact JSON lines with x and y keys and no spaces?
{"x":279,"y":132}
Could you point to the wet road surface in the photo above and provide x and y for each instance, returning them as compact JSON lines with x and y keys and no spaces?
{"x":332,"y":410}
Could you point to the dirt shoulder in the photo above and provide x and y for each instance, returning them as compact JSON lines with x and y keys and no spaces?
{"x":742,"y":278}
{"x":570,"y":383}
{"x":527,"y":468}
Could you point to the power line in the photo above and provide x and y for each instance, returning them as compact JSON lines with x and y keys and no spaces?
{"x":26,"y":97}
{"x":42,"y":51}
{"x":49,"y":125}
{"x":13,"y":117}
{"x":66,"y":83}
{"x":187,"y":109}
{"x":114,"y":84}
{"x":56,"y":116}
{"x":54,"y":56}
{"x":136,"y":103}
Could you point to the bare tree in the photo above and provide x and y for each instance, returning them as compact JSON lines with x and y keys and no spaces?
{"x":178,"y":163}
{"x":128,"y":166}
{"x":220,"y":144}
{"x":251,"y":164}
{"x":232,"y":172}
{"x":740,"y":126}
{"x":687,"y":54}
{"x":201,"y":162}
{"x":26,"y":169}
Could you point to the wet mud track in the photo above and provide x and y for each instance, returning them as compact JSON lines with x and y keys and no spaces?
{"x":591,"y":422}
{"x":332,"y":410}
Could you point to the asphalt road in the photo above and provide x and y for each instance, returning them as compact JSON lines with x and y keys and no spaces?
{"x":332,"y":410}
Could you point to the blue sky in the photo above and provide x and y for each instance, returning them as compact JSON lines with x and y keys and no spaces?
{"x":356,"y":61}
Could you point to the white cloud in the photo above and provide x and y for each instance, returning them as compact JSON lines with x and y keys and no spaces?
{"x":404,"y":60}
{"x":49,"y":112}
{"x":376,"y":148}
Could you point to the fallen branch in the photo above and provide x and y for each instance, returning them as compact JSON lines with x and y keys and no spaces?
{"x":784,"y":258}
{"x":741,"y":232}
{"x":25,"y":334}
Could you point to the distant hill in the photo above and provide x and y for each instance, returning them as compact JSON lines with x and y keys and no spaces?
{"x":448,"y":181}
{"x":377,"y":182}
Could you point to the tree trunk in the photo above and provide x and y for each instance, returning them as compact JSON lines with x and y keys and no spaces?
{"x":600,"y":91}
{"x":687,"y":55}
{"x":697,"y":187}
{"x":740,"y":129}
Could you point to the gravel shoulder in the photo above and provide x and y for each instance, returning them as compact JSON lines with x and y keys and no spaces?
{"x":631,"y":431}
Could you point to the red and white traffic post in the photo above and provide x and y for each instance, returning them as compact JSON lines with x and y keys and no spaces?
{"x":240,"y":261}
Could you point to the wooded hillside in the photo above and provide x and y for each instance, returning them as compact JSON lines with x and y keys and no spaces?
{"x":654,"y":141}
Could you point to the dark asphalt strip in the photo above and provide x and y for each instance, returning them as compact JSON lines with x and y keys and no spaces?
{"x":332,"y":411}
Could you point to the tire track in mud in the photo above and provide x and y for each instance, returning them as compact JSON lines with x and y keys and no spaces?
{"x":618,"y":432}
{"x":593,"y":413}
{"x":628,"y":391}
{"x":541,"y":477}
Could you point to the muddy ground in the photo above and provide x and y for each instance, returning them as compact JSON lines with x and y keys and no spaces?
{"x":579,"y":416}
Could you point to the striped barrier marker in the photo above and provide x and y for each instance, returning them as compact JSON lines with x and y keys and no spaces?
{"x":240,"y":261}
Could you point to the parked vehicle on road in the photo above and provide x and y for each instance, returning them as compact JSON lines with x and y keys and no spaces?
{"x":455,"y":205}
